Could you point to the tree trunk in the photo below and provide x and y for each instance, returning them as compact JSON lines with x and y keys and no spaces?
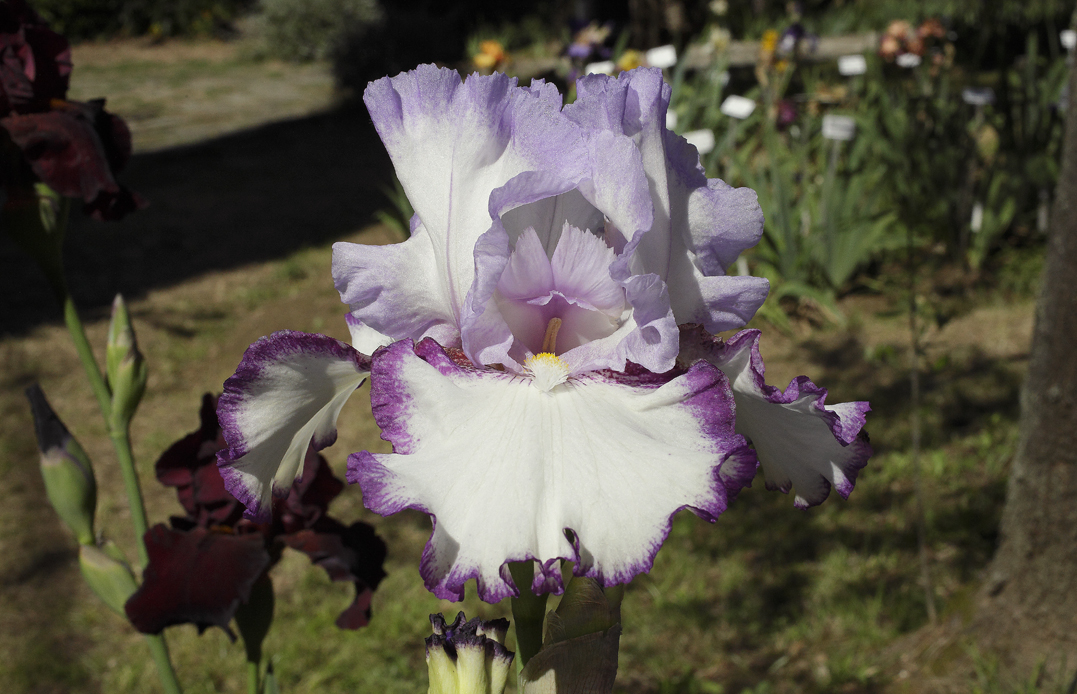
{"x":1028,"y":610}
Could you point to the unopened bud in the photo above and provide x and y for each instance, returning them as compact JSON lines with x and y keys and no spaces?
{"x":468,"y":657}
{"x":107,"y":574}
{"x":125,"y":366}
{"x":65,"y":468}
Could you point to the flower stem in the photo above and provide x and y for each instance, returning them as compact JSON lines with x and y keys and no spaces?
{"x":528,"y":611}
{"x":121,"y":441}
{"x":252,"y":677}
{"x":159,"y":649}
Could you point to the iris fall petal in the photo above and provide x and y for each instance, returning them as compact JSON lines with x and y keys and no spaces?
{"x":591,"y":471}
{"x":286,"y":393}
{"x":803,"y":444}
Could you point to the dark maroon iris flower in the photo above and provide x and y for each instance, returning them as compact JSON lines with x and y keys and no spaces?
{"x":204,"y":566}
{"x":75,"y":148}
{"x":35,"y":61}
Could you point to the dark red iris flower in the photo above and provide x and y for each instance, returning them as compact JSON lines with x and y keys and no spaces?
{"x":203,"y":567}
{"x":73,"y":147}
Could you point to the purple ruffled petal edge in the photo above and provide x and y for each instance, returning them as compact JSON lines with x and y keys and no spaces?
{"x":237,"y":389}
{"x":735,"y":470}
{"x":846,"y":421}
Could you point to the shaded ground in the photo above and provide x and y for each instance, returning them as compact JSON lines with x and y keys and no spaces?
{"x":238,"y":198}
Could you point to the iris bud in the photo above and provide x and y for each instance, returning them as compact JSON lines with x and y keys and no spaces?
{"x":468,"y":657}
{"x":125,"y":366}
{"x":65,"y":468}
{"x":107,"y":574}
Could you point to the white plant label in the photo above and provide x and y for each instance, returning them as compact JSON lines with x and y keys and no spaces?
{"x":978,"y":96}
{"x":605,"y":67}
{"x":737,"y":107}
{"x":671,"y":120}
{"x":662,"y":56}
{"x":908,"y":60}
{"x":1068,"y":39}
{"x":977,"y":221}
{"x":703,"y":140}
{"x":849,"y":65}
{"x":838,"y":127}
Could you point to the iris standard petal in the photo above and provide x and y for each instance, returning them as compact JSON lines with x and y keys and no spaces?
{"x":453,"y":142}
{"x":802,"y":443}
{"x":700,"y":225}
{"x":591,"y":471}
{"x":287,"y":392}
{"x":390,"y":289}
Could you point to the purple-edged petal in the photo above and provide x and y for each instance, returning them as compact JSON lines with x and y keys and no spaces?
{"x":452,"y":143}
{"x":391,"y":292}
{"x":591,"y":471}
{"x":286,"y":393}
{"x":802,"y":443}
{"x":700,"y":225}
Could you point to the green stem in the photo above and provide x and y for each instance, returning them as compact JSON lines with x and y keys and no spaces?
{"x":159,"y":649}
{"x":121,"y":441}
{"x":53,"y":268}
{"x":252,"y":677}
{"x":528,"y":611}
{"x":82,"y":346}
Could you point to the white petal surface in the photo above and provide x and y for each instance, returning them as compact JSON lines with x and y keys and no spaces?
{"x":453,"y":143}
{"x":802,"y":444}
{"x":286,"y":393}
{"x":506,"y":469}
{"x":392,"y":290}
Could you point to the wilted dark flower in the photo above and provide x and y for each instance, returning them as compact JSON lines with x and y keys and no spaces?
{"x":75,"y":148}
{"x":214,"y":540}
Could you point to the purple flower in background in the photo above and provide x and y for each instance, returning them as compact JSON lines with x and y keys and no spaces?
{"x":786,"y":114}
{"x":526,"y":355}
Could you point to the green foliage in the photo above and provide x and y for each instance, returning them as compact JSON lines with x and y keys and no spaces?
{"x":924,"y":166}
{"x":89,"y":19}
{"x":315,"y":29}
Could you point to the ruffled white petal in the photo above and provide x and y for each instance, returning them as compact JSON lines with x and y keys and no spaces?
{"x":392,"y":289}
{"x":453,"y":143}
{"x":590,"y":471}
{"x":285,"y":395}
{"x":802,"y":443}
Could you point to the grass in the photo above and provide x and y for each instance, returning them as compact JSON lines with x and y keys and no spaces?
{"x":768,"y":600}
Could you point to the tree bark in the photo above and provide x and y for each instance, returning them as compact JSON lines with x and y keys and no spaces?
{"x":1028,"y":609}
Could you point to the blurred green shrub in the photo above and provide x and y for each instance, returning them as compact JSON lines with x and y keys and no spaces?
{"x":89,"y":19}
{"x":316,"y":29}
